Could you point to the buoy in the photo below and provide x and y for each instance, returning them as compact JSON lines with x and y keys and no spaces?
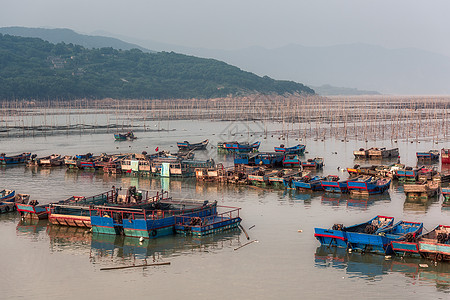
{"x":300,"y":230}
{"x":141,"y":239}
{"x":423,"y":265}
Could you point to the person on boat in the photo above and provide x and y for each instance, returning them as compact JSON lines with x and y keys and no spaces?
{"x":115,"y":193}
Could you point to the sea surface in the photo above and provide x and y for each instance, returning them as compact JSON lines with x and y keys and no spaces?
{"x":285,"y":261}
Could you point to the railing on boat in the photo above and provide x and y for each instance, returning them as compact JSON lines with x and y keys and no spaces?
{"x":187,"y":221}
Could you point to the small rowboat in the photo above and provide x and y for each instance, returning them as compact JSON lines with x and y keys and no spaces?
{"x":298,"y":149}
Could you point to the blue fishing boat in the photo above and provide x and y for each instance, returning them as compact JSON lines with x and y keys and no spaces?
{"x":199,"y":226}
{"x":7,"y":195}
{"x":186,"y":146}
{"x":388,"y":238}
{"x":333,"y":237}
{"x":363,"y":236}
{"x":244,"y":159}
{"x":32,"y":210}
{"x":308,"y":183}
{"x":406,"y":174}
{"x":435,"y":244}
{"x":292,"y":161}
{"x":430,"y":155}
{"x":147,"y":224}
{"x":269,"y":159}
{"x":332,"y":184}
{"x":363,"y":186}
{"x":238,"y":147}
{"x":298,"y":149}
{"x":313,"y":163}
{"x":15,"y":159}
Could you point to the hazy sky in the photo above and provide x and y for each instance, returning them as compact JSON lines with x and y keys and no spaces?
{"x":236,"y":24}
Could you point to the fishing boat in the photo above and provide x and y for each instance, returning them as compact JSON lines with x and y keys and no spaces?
{"x":298,"y":149}
{"x":407,"y":174}
{"x":308,"y":183}
{"x":361,"y":153}
{"x":292,"y":161}
{"x":332,"y":184}
{"x":435,"y":244}
{"x":147,"y":224}
{"x":277,"y":180}
{"x":53,"y":160}
{"x":364,"y":186}
{"x":421,"y":190}
{"x":271,"y":159}
{"x":336,"y":236}
{"x":8,"y":200}
{"x":7,"y":195}
{"x":363,"y":237}
{"x":313,"y":163}
{"x":427,"y":174}
{"x":77,"y":213}
{"x":445,"y":156}
{"x":387,"y":238}
{"x":406,"y":244}
{"x":430,"y":155}
{"x":14,"y":159}
{"x":446,"y":194}
{"x":382,"y":153}
{"x":238,"y":147}
{"x":75,"y":210}
{"x":261,"y":177}
{"x":188,"y":146}
{"x":200,"y":226}
{"x":124,"y":136}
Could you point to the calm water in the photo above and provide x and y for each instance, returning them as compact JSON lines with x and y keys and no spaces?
{"x":41,"y":261}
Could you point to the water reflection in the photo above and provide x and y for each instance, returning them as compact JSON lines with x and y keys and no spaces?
{"x":375,"y":267}
{"x":115,"y":249}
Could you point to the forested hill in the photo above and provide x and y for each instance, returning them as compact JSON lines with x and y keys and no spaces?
{"x":31,"y":68}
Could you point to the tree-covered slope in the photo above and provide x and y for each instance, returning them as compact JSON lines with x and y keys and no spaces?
{"x":31,"y":68}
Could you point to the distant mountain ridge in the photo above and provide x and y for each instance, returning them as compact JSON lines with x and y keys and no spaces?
{"x":31,"y":68}
{"x":361,"y":66}
{"x":68,"y":36}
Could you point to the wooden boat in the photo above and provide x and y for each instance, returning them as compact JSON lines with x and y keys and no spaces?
{"x":298,"y":149}
{"x":407,"y":174}
{"x":363,"y":186}
{"x":422,"y":190}
{"x":382,"y":153}
{"x":147,"y":224}
{"x":77,"y":214}
{"x":337,"y":235}
{"x":197,"y":146}
{"x":75,"y":210}
{"x":445,"y":156}
{"x":430,"y":155}
{"x":261,"y":177}
{"x":435,"y":244}
{"x":407,"y":244}
{"x":33,"y":210}
{"x":401,"y":232}
{"x":9,"y":199}
{"x":238,"y":147}
{"x":270,"y":159}
{"x":288,"y":181}
{"x":200,"y":226}
{"x":427,"y":174}
{"x":308,"y":183}
{"x":361,"y":153}
{"x":363,"y":236}
{"x":15,"y":159}
{"x":7,"y":195}
{"x":124,"y":136}
{"x":277,"y":180}
{"x":313,"y":163}
{"x":446,"y":194}
{"x":332,"y":184}
{"x":53,"y":160}
{"x":292,"y":161}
